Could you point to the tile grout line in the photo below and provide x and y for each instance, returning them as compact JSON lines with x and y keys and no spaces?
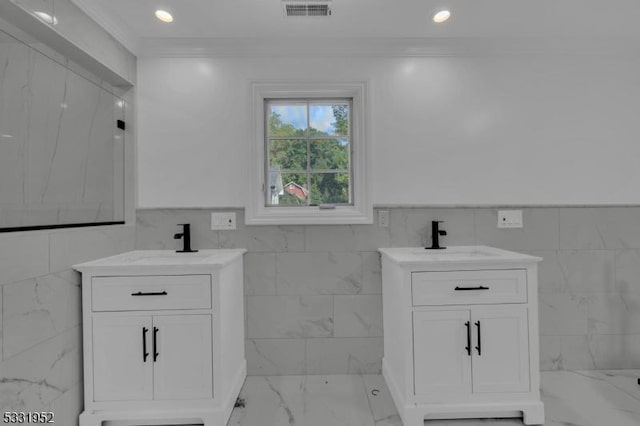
{"x":47,"y":340}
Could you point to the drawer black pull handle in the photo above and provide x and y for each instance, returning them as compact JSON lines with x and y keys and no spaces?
{"x":153,"y":293}
{"x":480,"y":287}
{"x":479,"y":347}
{"x":155,"y":341}
{"x":145,"y":354}
{"x":468,"y":347}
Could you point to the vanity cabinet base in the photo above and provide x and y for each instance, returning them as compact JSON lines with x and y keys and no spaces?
{"x":531,"y":411}
{"x":173,"y":414}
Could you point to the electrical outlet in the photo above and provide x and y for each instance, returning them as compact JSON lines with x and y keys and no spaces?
{"x":510,"y":219}
{"x":223,"y":221}
{"x":383,"y":218}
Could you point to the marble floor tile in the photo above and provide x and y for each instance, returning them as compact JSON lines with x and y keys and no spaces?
{"x":590,"y":399}
{"x":571,"y":398}
{"x":382,"y":408}
{"x":337,"y":400}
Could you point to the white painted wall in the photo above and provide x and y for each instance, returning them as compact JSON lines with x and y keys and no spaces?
{"x":543,"y":129}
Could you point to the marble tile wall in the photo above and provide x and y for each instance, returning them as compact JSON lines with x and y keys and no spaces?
{"x":40,"y":316}
{"x":313,"y":293}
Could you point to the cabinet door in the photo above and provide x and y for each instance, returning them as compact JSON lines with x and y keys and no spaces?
{"x":183,"y":366}
{"x":120,"y":369}
{"x":503,"y":362}
{"x":442,"y":365}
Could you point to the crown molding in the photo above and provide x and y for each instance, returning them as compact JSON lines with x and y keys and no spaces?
{"x":110,"y":24}
{"x":386,"y":47}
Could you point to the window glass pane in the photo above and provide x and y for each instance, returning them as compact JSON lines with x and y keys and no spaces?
{"x":309,"y":156}
{"x":329,"y":119}
{"x":329,"y":154}
{"x":330,"y":188}
{"x":288,"y":154}
{"x":287,"y":119}
{"x":293,"y":191}
{"x":288,"y":189}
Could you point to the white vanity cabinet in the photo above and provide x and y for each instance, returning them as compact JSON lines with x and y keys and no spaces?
{"x":461,"y":333}
{"x":163,"y":337}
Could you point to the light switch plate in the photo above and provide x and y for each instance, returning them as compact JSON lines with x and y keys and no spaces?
{"x":510,"y":219}
{"x":383,"y":218}
{"x":223,"y":221}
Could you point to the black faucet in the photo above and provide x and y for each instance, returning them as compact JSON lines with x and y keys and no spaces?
{"x":186,"y":238}
{"x":435,"y":235}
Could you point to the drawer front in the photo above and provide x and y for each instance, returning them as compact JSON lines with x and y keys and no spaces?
{"x":151,"y":292}
{"x":469,"y":287}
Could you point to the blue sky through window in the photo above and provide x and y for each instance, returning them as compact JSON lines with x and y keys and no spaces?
{"x":321,"y":116}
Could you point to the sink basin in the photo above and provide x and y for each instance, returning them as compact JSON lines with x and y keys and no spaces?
{"x":169,"y":258}
{"x":454,"y":254}
{"x":457,"y":252}
{"x":162,"y":257}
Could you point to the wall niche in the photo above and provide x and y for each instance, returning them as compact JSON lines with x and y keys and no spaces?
{"x":61,"y":150}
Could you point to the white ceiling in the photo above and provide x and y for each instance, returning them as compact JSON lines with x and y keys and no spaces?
{"x":133,"y":21}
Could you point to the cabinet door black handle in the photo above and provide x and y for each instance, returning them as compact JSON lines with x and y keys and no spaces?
{"x":479,"y":347}
{"x":145,"y":354}
{"x":480,"y":287}
{"x":468,"y":347}
{"x":155,"y":342}
{"x":153,"y":293}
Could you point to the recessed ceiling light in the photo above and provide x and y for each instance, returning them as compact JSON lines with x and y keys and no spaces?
{"x":46,"y":17}
{"x":164,"y":16}
{"x":441,"y":16}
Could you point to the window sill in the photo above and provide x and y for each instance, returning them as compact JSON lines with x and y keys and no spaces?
{"x":310,"y":216}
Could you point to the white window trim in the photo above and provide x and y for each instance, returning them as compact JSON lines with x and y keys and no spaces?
{"x":361,"y":212}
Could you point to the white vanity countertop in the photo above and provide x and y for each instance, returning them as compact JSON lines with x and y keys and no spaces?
{"x":483,"y":255}
{"x":143,"y":260}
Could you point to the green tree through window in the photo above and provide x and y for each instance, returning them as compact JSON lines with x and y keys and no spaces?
{"x":309,"y":152}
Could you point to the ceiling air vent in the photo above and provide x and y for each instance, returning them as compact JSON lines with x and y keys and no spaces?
{"x":306,"y":8}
